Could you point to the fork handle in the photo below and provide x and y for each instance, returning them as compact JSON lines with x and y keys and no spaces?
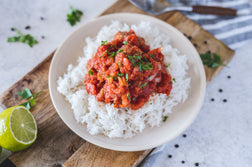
{"x":214,"y":10}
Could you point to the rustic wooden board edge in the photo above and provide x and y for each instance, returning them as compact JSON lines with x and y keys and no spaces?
{"x":8,"y":92}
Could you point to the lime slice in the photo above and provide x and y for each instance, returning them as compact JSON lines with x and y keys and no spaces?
{"x":18,"y":128}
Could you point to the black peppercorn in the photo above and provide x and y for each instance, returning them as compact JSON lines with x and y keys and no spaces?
{"x":176,"y":146}
{"x":169,"y":156}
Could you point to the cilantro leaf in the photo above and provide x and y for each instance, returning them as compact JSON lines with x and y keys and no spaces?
{"x":211,"y":61}
{"x":28,"y":39}
{"x":165,"y":118}
{"x":74,"y":16}
{"x":128,"y":96}
{"x":120,"y":74}
{"x":125,"y":42}
{"x":143,"y":85}
{"x":25,"y":94}
{"x":127,"y":76}
{"x":104,"y":42}
{"x":90,"y":72}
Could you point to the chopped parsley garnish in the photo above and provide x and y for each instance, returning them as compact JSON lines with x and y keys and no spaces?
{"x":74,"y":16}
{"x":148,"y":66}
{"x":111,"y":54}
{"x":108,"y":76}
{"x":150,"y":103}
{"x":119,"y":51}
{"x":165,"y":118}
{"x":152,"y":55}
{"x":25,"y":94}
{"x":127,"y":76}
{"x":174,"y":79}
{"x":211,"y":61}
{"x":28,"y":39}
{"x":114,"y":77}
{"x":170,"y":82}
{"x":104,"y":42}
{"x":101,"y":55}
{"x":167,"y":65}
{"x":120,"y":74}
{"x":90,"y":72}
{"x":128,"y":96}
{"x":125,"y":42}
{"x":143,"y":85}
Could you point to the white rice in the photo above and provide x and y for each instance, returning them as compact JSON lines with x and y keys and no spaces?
{"x":101,"y":118}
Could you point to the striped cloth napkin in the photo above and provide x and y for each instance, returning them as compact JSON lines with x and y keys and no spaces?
{"x":233,"y":31}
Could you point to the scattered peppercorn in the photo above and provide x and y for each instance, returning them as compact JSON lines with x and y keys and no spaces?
{"x":169,"y":156}
{"x":195,"y":44}
{"x":209,"y":52}
{"x":43,"y":37}
{"x":205,"y":42}
{"x":228,"y":76}
{"x":12,"y":29}
{"x":196,"y":164}
{"x":182,"y":162}
{"x":28,"y":27}
{"x":220,"y":90}
{"x":224,"y":100}
{"x":184,"y":135}
{"x":212,"y":99}
{"x":41,"y":18}
{"x":189,"y":37}
{"x":176,"y":146}
{"x":185,"y":34}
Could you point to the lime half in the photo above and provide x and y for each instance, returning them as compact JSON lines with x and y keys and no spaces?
{"x":18,"y":128}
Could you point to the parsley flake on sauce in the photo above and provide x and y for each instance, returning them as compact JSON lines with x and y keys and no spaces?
{"x":125,"y":42}
{"x":74,"y":16}
{"x":28,"y":39}
{"x":143,"y":85}
{"x":152,"y":55}
{"x":120,"y":74}
{"x":127,"y":76}
{"x":211,"y":61}
{"x":128,"y":96}
{"x":90,"y":72}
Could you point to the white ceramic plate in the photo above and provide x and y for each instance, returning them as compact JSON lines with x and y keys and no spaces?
{"x":183,"y":114}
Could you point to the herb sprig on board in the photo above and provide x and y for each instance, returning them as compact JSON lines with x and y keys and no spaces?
{"x":28,"y":39}
{"x":74,"y":16}
{"x":26,"y":94}
{"x":211,"y":60}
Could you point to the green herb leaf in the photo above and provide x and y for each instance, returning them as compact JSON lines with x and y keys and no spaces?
{"x":150,"y":103}
{"x":211,"y":61}
{"x":28,"y":39}
{"x":125,"y":42}
{"x":174,"y":79}
{"x":167,"y":65}
{"x":25,"y":94}
{"x":119,"y":51}
{"x":112,"y":54}
{"x":26,"y":105}
{"x":90,"y":72}
{"x":128,"y":96}
{"x":148,"y":66}
{"x":104,"y":42}
{"x":74,"y":16}
{"x":143,"y":85}
{"x":114,"y":77}
{"x":120,"y":74}
{"x":165,"y":118}
{"x":108,"y":76}
{"x":127,"y":76}
{"x":152,"y":55}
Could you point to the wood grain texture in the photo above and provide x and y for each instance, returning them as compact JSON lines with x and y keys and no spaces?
{"x":57,"y":144}
{"x":90,"y":155}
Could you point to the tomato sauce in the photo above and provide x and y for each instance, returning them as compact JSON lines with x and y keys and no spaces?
{"x":126,"y":72}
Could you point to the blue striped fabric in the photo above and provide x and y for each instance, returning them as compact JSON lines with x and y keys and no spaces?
{"x":233,"y":31}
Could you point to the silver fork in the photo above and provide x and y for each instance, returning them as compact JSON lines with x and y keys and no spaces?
{"x":155,"y":7}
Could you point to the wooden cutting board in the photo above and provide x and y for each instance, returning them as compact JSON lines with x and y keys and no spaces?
{"x":56,"y":144}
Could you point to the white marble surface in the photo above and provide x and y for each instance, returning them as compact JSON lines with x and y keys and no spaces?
{"x":220,"y":136}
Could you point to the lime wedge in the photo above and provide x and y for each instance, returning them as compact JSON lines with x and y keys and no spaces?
{"x":18,"y":128}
